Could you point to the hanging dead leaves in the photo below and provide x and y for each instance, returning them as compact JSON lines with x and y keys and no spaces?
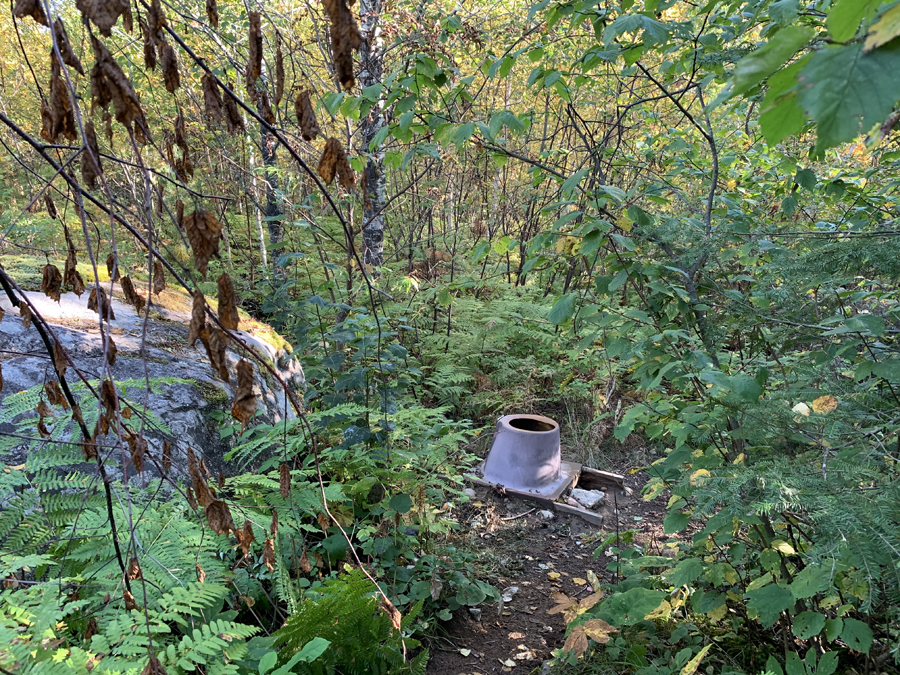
{"x":32,"y":8}
{"x":91,"y":169}
{"x":168,"y":63}
{"x":105,"y":13}
{"x":198,"y":318}
{"x":65,"y":47}
{"x":71,"y":275}
{"x":212,"y":99}
{"x":132,"y":297}
{"x":244,"y":406}
{"x":98,"y":302}
{"x":137,"y":447}
{"x":51,"y":282}
{"x":203,"y":232}
{"x":265,"y":109}
{"x":159,"y":277}
{"x":334,"y":162}
{"x":212,"y":13}
{"x":55,"y":395}
{"x":233,"y":116}
{"x":110,"y":85}
{"x":112,"y":266}
{"x":215,"y":350}
{"x":345,"y":39}
{"x":228,"y":313}
{"x":149,"y":46}
{"x":306,"y":116}
{"x":254,"y":52}
{"x":61,"y":112}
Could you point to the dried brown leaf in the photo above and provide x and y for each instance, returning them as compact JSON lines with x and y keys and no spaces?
{"x":65,"y":47}
{"x":62,"y":112}
{"x":132,"y":297}
{"x":228,"y":314}
{"x":108,"y":397}
{"x":221,"y":482}
{"x":212,"y":99}
{"x":91,"y":168}
{"x":60,"y":360}
{"x":184,"y":168}
{"x":71,"y":275}
{"x":334,"y":162}
{"x":201,"y":574}
{"x":112,"y":267}
{"x":91,"y":629}
{"x":284,"y":480}
{"x":218,"y":515}
{"x":203,"y":232}
{"x":244,"y":406}
{"x":167,"y":457}
{"x":269,"y":554}
{"x":273,"y":528}
{"x":76,"y":414}
{"x":134,"y":569}
{"x":114,"y":87}
{"x":55,"y":394}
{"x":168,"y":63}
{"x":247,"y":537}
{"x":156,"y":18}
{"x":137,"y":447}
{"x":46,"y":122}
{"x":304,"y":562}
{"x":198,"y":318}
{"x":111,"y":351}
{"x":149,"y":46}
{"x":254,"y":52}
{"x":328,"y":161}
{"x":204,"y":468}
{"x":345,"y":39}
{"x":306,"y":116}
{"x":51,"y":206}
{"x":51,"y":282}
{"x":159,"y":277}
{"x":43,"y":409}
{"x":129,"y":601}
{"x":105,"y":13}
{"x":126,"y":414}
{"x":25,"y":312}
{"x":215,"y":350}
{"x":89,"y":449}
{"x":233,"y":116}
{"x":212,"y":13}
{"x":32,"y":8}
{"x":179,"y":214}
{"x":577,"y":641}
{"x":265,"y":109}
{"x":98,"y":302}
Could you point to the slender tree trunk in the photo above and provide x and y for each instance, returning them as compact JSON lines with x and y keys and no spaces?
{"x":273,"y":203}
{"x":373,"y":187}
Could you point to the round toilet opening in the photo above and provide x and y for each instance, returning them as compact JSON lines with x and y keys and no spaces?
{"x":527,"y":424}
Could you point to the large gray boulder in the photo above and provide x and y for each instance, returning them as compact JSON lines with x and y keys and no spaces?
{"x":187,"y":401}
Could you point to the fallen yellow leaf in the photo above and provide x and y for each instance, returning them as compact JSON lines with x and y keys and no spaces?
{"x":578,"y":581}
{"x":824,"y":405}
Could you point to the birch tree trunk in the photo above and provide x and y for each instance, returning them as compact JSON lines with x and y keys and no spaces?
{"x":373,"y":184}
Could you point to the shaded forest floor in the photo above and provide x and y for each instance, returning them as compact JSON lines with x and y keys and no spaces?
{"x":538,"y":557}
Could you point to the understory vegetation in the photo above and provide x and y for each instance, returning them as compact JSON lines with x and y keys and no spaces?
{"x":670,"y":226}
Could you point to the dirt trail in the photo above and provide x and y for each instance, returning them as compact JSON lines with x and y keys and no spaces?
{"x":544,"y":557}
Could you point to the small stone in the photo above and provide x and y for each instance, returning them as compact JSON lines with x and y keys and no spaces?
{"x":546,"y":515}
{"x":470,"y":493}
{"x":588,"y":498}
{"x":628,"y":491}
{"x":475,"y":612}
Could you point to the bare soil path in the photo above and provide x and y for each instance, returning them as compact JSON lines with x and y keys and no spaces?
{"x":538,"y":557}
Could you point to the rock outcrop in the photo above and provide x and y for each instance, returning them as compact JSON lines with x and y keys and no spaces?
{"x":186,"y":400}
